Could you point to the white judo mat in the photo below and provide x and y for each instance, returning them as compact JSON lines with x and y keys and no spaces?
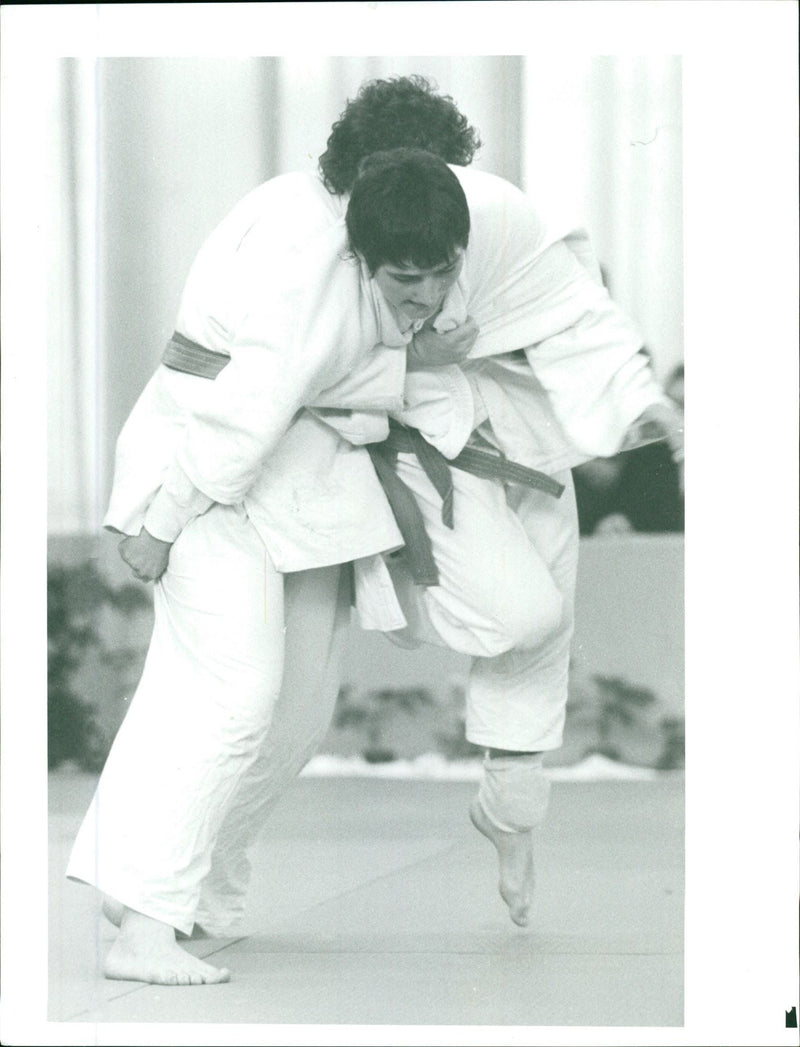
{"x":374,"y":902}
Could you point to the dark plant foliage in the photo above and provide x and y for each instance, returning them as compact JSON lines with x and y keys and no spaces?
{"x":75,"y":595}
{"x":673,"y":755}
{"x":373,"y":712}
{"x":620,"y":703}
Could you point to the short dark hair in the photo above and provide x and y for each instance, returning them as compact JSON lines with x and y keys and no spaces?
{"x":387,"y":114}
{"x":407,"y":206}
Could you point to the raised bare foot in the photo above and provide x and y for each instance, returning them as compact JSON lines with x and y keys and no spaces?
{"x":146,"y":951}
{"x":515,"y":854}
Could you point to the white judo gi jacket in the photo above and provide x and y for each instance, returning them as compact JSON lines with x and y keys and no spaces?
{"x":555,"y":376}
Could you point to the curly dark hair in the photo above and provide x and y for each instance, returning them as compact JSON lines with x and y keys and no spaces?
{"x":402,"y":111}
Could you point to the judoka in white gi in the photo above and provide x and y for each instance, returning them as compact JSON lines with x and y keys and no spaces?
{"x":240,"y":479}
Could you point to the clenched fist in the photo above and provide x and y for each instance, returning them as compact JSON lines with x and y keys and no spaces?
{"x":666,"y":422}
{"x":428,"y":348}
{"x":146,"y":556}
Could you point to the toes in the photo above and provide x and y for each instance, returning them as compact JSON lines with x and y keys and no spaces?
{"x":208,"y":975}
{"x":204,"y":974}
{"x":187,"y":978}
{"x":518,"y":902}
{"x":520,"y":915}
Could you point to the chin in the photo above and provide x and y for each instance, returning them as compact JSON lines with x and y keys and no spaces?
{"x":419,"y":313}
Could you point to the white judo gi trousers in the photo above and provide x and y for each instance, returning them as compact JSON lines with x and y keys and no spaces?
{"x":217,"y":728}
{"x":507,"y":573}
{"x":242,"y":675}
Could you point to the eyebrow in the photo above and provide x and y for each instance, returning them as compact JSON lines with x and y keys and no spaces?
{"x":399,"y":270}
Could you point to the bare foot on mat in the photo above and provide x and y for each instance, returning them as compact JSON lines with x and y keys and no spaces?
{"x":146,"y":951}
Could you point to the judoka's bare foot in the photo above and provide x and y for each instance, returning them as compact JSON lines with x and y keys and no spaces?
{"x":515,"y":853}
{"x":113,"y":910}
{"x":146,"y":951}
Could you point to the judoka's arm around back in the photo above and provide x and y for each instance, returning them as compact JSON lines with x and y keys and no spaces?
{"x":537,"y":288}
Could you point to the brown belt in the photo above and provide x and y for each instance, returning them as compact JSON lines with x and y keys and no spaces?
{"x":182,"y":354}
{"x":418,"y":552}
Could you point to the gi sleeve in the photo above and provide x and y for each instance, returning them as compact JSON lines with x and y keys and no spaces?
{"x":596,"y":376}
{"x":535,"y":288}
{"x":176,"y":502}
{"x":304,"y":322}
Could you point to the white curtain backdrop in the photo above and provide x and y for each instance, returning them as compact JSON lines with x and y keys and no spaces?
{"x":149,"y":153}
{"x":602,"y":141}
